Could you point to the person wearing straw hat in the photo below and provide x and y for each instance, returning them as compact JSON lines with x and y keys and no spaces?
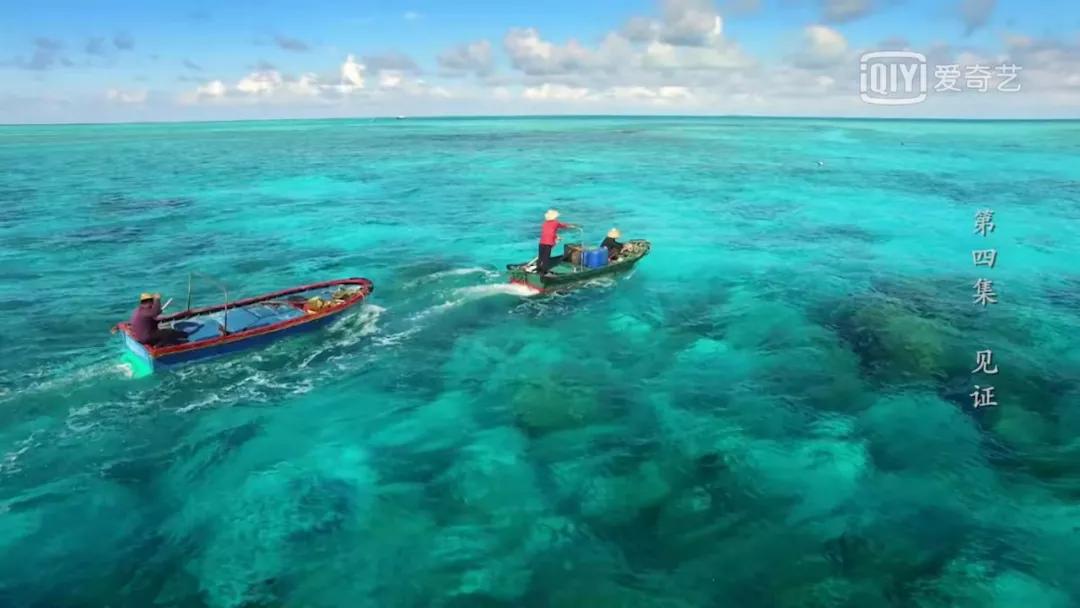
{"x":548,"y":237}
{"x":144,"y":323}
{"x":613,"y":246}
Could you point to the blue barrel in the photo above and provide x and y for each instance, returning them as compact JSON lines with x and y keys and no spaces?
{"x":594,"y":258}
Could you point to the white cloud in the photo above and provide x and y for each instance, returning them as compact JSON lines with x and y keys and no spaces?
{"x":271,"y":86}
{"x":822,"y":48}
{"x":475,"y":57}
{"x":535,"y":56}
{"x":561,"y":92}
{"x":678,"y":60}
{"x":660,"y":55}
{"x":669,"y":95}
{"x":127,"y":97}
{"x":214,"y":88}
{"x":556,"y":92}
{"x":682,"y":23}
{"x":260,"y":83}
{"x":825,"y":42}
{"x":352,"y":73}
{"x":390,"y":79}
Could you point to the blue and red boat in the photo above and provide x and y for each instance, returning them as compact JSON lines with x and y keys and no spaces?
{"x":250,"y":323}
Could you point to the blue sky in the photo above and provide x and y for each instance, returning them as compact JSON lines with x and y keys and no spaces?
{"x":79,"y":61}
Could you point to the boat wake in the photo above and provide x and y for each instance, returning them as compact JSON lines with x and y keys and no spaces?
{"x":465,"y":295}
{"x":64,"y":378}
{"x":348,"y":332}
{"x":448,"y":274}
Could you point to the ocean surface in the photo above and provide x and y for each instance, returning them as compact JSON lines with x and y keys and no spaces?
{"x":774,"y":409}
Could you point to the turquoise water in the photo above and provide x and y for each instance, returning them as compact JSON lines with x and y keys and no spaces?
{"x":772,"y":409}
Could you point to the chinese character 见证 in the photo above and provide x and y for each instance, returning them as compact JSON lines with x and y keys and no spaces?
{"x":984,"y":396}
{"x":984,"y":361}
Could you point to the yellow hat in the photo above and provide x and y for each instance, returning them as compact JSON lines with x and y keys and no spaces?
{"x":614,"y":233}
{"x":551,"y":215}
{"x":146,"y":296}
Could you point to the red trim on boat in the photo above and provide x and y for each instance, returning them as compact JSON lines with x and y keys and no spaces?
{"x":154,"y":353}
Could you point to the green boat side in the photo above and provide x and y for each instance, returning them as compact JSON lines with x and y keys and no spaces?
{"x":565,"y":274}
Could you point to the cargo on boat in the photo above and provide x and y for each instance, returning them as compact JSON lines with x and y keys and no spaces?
{"x":577,"y":265}
{"x":249,"y":323}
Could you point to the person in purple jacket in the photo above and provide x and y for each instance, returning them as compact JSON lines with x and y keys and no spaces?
{"x":144,"y":323}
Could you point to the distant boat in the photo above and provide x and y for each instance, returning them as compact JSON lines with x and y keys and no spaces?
{"x":249,"y":323}
{"x":401,"y":117}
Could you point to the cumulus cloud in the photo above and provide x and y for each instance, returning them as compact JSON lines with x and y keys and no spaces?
{"x":618,"y":95}
{"x":355,"y":81}
{"x":839,"y":11}
{"x":291,"y":44}
{"x":265,"y":85}
{"x":825,"y":43}
{"x":681,"y":23}
{"x":558,"y":92}
{"x":391,"y":61}
{"x":687,"y":43}
{"x":212,"y":89}
{"x":352,"y":73}
{"x":975,"y":13}
{"x":672,"y":58}
{"x":535,"y":56}
{"x":677,"y":59}
{"x":471,"y":57}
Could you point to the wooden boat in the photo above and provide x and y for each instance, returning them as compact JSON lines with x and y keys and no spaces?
{"x":569,"y":272}
{"x":249,"y":323}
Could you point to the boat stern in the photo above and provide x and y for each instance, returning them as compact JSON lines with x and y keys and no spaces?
{"x":137,"y":350}
{"x":527,"y":279}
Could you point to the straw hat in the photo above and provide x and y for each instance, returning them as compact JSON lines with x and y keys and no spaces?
{"x":146,"y":296}
{"x":551,"y":215}
{"x":614,"y":233}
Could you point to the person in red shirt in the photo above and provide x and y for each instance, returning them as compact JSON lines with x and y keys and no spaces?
{"x":548,"y":237}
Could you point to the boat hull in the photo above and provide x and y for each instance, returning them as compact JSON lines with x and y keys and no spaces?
{"x":257,"y":336}
{"x":521,"y":275}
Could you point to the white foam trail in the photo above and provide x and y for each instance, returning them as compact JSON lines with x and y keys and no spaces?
{"x":453,"y":272}
{"x":394,"y":339}
{"x":352,"y":329}
{"x":57,"y":377}
{"x":483,"y":291}
{"x":476,"y":292}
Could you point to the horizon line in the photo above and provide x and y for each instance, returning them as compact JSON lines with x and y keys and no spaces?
{"x":543,"y":116}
